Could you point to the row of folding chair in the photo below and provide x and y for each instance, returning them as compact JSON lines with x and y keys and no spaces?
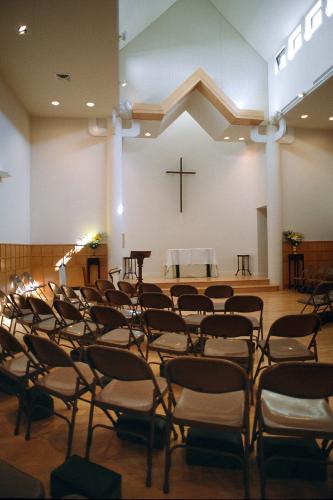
{"x":212,"y":394}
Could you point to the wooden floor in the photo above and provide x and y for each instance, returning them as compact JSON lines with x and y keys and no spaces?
{"x":46,"y":449}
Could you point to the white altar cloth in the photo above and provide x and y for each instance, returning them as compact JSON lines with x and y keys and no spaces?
{"x":192,"y":261}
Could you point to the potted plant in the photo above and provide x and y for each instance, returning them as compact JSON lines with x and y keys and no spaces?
{"x":95,"y":240}
{"x":294,"y":238}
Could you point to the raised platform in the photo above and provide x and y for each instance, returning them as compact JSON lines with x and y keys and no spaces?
{"x":241,"y":284}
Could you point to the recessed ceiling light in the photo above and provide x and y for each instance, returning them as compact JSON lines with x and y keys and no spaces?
{"x":304,"y":117}
{"x":55,"y":103}
{"x":241,"y":138}
{"x":300,"y":94}
{"x":22,"y":30}
{"x":90,"y":104}
{"x":148,"y":134}
{"x":123,"y":83}
{"x":331,"y":118}
{"x":226,"y":138}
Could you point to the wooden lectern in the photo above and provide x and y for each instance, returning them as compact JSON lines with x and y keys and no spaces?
{"x":139,"y":256}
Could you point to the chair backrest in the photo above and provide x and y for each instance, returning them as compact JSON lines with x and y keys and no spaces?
{"x":295,"y":325}
{"x":55,"y":289}
{"x":150,"y":287}
{"x":47,"y":352}
{"x":323,"y":288}
{"x":219,"y":291}
{"x":4,"y":301}
{"x":104,"y":285}
{"x":155,"y":300}
{"x":20,"y":302}
{"x":299,"y":380}
{"x":118,"y":363}
{"x":39,"y":307}
{"x":163,"y":320}
{"x":67,"y":311}
{"x":68,"y":292}
{"x":243,"y":304}
{"x":206,"y":375}
{"x":9,"y":343}
{"x":127,"y":287}
{"x":226,"y":325}
{"x":108,"y":316}
{"x":178,"y":290}
{"x":118,"y":298}
{"x":192,"y":302}
{"x":91,"y":294}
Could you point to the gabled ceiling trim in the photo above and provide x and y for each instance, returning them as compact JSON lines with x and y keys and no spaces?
{"x":202,"y":82}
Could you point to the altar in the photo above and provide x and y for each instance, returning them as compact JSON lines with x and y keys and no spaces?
{"x":190,"y":263}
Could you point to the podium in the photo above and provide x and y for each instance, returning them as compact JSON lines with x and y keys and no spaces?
{"x":140,"y":255}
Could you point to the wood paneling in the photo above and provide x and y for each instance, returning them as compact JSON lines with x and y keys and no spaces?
{"x":40,"y":260}
{"x":317,"y":255}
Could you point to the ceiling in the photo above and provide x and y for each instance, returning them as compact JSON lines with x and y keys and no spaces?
{"x":64,"y":36}
{"x":318,"y":105}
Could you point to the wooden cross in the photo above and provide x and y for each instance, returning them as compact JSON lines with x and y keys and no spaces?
{"x":180,"y":172}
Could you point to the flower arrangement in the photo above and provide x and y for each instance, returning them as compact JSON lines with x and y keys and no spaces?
{"x":294,"y":238}
{"x":95,"y":240}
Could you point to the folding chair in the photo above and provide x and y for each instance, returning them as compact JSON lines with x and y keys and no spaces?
{"x":221,"y":293}
{"x":320,"y":299}
{"x":250,"y":306}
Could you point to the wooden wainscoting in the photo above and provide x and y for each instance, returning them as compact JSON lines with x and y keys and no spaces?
{"x":40,"y":261}
{"x":317,"y":255}
{"x":14,"y":259}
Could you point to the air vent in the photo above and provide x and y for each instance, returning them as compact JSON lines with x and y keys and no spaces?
{"x":63,"y":76}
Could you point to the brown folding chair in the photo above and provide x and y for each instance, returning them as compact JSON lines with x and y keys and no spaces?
{"x":150,"y":287}
{"x":167,"y":333}
{"x":91,"y":296}
{"x":120,"y":300}
{"x":133,"y":389}
{"x":292,"y":401}
{"x":130,"y":290}
{"x":155,"y":300}
{"x":221,"y":293}
{"x":104,"y":285}
{"x":250,"y":306}
{"x":178,"y":290}
{"x":45,"y":319}
{"x":71,"y":296}
{"x":7,"y":311}
{"x":220,"y":338}
{"x":215,"y":396}
{"x":57,"y":293}
{"x":64,"y":379}
{"x":24,"y":314}
{"x":286,"y":347}
{"x":18,"y":365}
{"x":119,"y":331}
{"x":198,"y":305}
{"x":320,"y":299}
{"x":75,"y":326}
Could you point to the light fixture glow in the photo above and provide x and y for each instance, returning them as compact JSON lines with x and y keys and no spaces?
{"x":90,"y":104}
{"x":304,"y":117}
{"x":300,"y":94}
{"x":226,"y":138}
{"x":329,"y":8}
{"x":55,"y":103}
{"x":331,"y":118}
{"x":22,"y":30}
{"x":148,"y":134}
{"x":123,"y":83}
{"x":120,"y":209}
{"x":241,"y":138}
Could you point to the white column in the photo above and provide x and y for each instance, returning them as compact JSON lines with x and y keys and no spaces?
{"x":114,"y":192}
{"x":274,"y":206}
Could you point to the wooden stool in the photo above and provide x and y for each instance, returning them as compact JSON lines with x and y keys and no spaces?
{"x":243,"y":264}
{"x":129,"y":267}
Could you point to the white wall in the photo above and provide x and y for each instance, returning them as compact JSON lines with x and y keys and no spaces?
{"x":189,"y":35}
{"x":220,"y":201}
{"x":67,"y":181}
{"x":311,"y":61}
{"x":14,"y":159}
{"x":307,"y":184}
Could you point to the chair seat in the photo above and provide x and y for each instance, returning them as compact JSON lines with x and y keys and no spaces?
{"x":134,"y":301}
{"x":233,"y":348}
{"x":129,"y":313}
{"x":219,"y":306}
{"x":287,"y":348}
{"x":17,"y":366}
{"x":27,"y":319}
{"x":79,"y":329}
{"x":48,"y":325}
{"x":254,"y":320}
{"x":193,"y":319}
{"x":137,"y":395}
{"x":170,"y":341}
{"x":120,"y":336}
{"x":294,"y":416}
{"x":63,"y":380}
{"x":226,"y":409}
{"x":316,"y":300}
